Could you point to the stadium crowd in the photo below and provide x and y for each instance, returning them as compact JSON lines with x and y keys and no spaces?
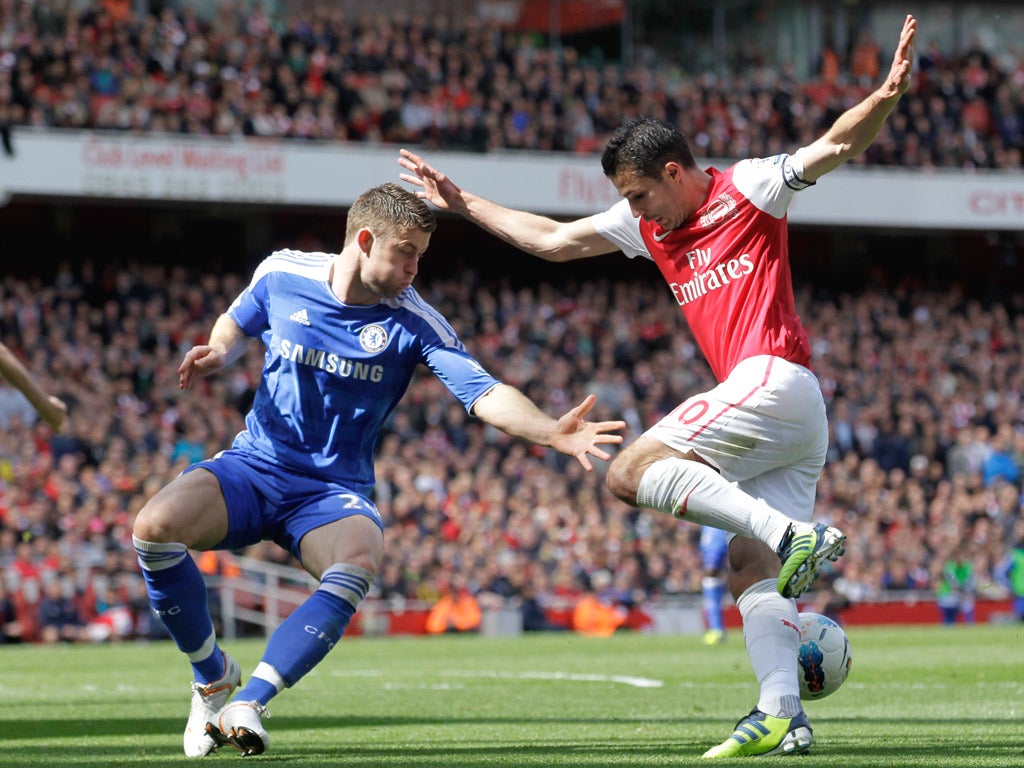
{"x":320,"y":74}
{"x":925,"y":389}
{"x":926,"y":464}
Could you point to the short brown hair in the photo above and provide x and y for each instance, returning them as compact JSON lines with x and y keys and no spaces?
{"x":388,"y":209}
{"x":642,"y":146}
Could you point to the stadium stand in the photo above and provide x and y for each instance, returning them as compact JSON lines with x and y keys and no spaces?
{"x":324,"y":74}
{"x":924,"y":388}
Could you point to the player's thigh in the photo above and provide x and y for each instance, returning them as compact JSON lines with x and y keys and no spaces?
{"x":189,"y":510}
{"x":353,"y":540}
{"x":327,"y":523}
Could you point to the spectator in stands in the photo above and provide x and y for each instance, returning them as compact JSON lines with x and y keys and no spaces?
{"x":59,"y":618}
{"x":998,"y":464}
{"x":866,"y":60}
{"x":597,"y":613}
{"x":302,"y":472}
{"x":828,"y":65}
{"x":958,"y":586}
{"x":457,"y":610}
{"x":113,"y":618}
{"x":534,"y":611}
{"x":11,"y":628}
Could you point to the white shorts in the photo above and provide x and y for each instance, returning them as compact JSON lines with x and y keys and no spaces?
{"x":763,"y":428}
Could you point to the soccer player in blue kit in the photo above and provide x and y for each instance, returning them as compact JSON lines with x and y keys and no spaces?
{"x":343,"y":334}
{"x":714,"y":558}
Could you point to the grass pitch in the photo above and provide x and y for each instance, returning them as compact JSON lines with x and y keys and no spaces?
{"x":929,"y":697}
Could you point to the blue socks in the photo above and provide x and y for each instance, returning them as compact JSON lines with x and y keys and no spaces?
{"x":177,"y":594}
{"x":713,"y":591}
{"x":312,"y":629}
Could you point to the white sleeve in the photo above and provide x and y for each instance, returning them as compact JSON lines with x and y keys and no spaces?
{"x":770,"y":182}
{"x":619,"y":226}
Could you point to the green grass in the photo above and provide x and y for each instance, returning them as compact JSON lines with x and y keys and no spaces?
{"x":929,"y":697}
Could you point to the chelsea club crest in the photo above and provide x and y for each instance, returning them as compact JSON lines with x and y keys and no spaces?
{"x":373,"y":338}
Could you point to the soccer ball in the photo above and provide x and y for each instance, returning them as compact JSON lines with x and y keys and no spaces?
{"x":824,"y":656}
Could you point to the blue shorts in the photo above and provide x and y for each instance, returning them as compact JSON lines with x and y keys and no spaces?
{"x":267,"y":501}
{"x":714,"y":546}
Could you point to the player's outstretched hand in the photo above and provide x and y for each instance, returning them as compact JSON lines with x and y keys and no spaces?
{"x":575,"y":436}
{"x":898,"y":80}
{"x":201,"y":360}
{"x":433,"y":185}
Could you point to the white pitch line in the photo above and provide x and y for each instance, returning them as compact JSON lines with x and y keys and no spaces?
{"x":636,"y":682}
{"x":646,"y":682}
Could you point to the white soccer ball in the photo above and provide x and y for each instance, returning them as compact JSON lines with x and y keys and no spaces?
{"x":824,"y":656}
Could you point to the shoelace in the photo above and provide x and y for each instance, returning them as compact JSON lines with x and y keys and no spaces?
{"x":754,"y":711}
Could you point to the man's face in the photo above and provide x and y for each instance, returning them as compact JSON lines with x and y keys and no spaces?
{"x":660,"y":200}
{"x":393,"y":262}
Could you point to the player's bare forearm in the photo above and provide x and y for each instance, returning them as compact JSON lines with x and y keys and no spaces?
{"x":509,"y":410}
{"x":53,"y":410}
{"x":530,"y":232}
{"x":227,"y":343}
{"x":539,"y":235}
{"x":854,"y":130}
{"x":506,"y":408}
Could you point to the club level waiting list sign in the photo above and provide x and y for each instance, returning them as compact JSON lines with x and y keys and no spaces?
{"x":70,"y":164}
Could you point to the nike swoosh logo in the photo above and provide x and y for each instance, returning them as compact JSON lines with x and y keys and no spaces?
{"x":663,"y":235}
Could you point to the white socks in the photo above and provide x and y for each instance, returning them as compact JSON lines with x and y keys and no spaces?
{"x":770,"y":630}
{"x":696,"y":492}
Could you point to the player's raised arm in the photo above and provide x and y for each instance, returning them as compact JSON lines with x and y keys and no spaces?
{"x":542,"y":236}
{"x":227,"y":343}
{"x":509,"y":410}
{"x":856,"y":128}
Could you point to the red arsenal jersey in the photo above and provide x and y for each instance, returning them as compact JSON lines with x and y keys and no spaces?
{"x":728,"y":265}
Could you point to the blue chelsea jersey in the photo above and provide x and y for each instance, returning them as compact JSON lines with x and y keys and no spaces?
{"x":333,"y":372}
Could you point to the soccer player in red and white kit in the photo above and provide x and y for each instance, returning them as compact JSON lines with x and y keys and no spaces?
{"x":747,"y":455}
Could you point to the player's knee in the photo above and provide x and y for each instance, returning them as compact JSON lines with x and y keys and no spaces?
{"x":151,"y":525}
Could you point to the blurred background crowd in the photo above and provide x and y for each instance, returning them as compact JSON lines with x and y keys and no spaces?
{"x":925,"y":390}
{"x":461,"y":83}
{"x":925,"y":387}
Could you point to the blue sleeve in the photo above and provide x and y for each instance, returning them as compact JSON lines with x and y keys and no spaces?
{"x":250,"y":309}
{"x":444,"y":354}
{"x":461,"y":373}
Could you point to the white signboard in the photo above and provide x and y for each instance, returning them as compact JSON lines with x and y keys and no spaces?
{"x":283,"y":173}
